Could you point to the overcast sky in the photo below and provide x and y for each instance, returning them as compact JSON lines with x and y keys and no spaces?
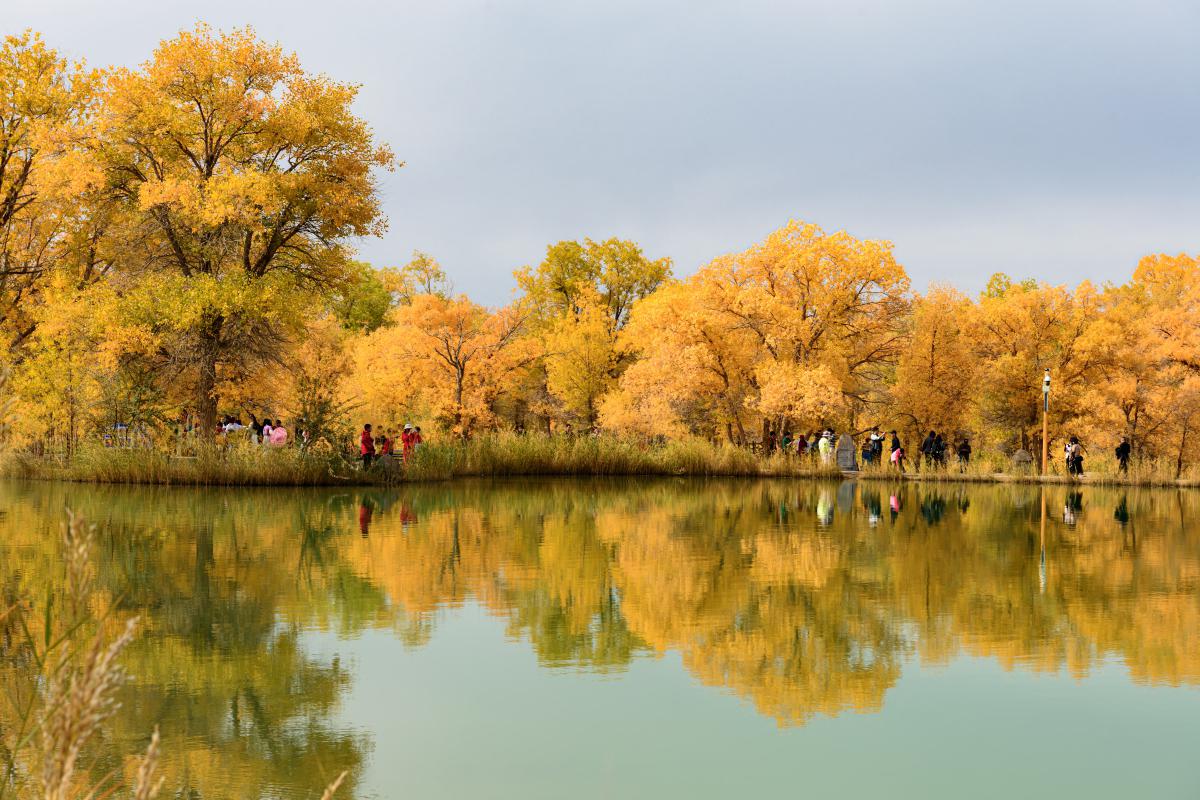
{"x":1052,"y":139}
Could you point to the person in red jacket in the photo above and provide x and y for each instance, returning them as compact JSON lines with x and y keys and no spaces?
{"x":408,"y":439}
{"x":367,"y":446}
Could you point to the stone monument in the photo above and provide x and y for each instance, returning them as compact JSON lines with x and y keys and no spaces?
{"x":846,"y":452}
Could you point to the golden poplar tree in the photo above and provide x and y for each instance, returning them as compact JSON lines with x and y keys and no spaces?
{"x":581,"y":296}
{"x":799,"y":328}
{"x":243,"y":176}
{"x":44,"y":100}
{"x":935,"y":378}
{"x":448,"y":358}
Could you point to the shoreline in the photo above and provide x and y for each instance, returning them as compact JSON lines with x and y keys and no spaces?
{"x":384,"y":480}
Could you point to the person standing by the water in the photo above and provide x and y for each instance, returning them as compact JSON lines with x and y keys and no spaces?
{"x":826,"y":446}
{"x":876,"y":440}
{"x":939,"y":451}
{"x":1123,"y":455}
{"x":279,"y":434}
{"x":1075,"y":457}
{"x":964,"y":454}
{"x":406,"y":441}
{"x":256,"y":429}
{"x":926,"y":450}
{"x":366,"y":445}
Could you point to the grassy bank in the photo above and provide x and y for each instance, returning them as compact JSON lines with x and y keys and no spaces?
{"x":493,"y":455}
{"x":209,"y":466}
{"x":506,"y":454}
{"x":997,"y":468}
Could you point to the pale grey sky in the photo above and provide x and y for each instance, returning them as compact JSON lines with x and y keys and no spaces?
{"x":1053,"y":138}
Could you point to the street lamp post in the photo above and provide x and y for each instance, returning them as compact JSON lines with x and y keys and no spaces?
{"x":1045,"y":420}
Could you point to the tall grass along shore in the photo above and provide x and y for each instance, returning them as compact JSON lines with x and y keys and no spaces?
{"x":508,"y":454}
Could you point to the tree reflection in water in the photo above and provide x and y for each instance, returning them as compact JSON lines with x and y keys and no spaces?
{"x":803,"y":598}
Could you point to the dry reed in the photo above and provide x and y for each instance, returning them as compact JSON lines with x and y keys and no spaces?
{"x":510,"y":454}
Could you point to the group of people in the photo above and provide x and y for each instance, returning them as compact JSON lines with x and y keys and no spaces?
{"x":817,"y":445}
{"x":272,"y":434}
{"x":934,"y":450}
{"x":373,"y":447}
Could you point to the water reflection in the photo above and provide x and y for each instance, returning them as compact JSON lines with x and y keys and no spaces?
{"x":804,"y":599}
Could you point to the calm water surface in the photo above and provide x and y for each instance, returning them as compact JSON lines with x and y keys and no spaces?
{"x":579,"y":639}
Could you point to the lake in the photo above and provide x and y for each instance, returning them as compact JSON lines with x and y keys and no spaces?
{"x":648,"y":638}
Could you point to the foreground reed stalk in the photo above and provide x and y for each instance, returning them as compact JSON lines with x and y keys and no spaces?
{"x":60,"y":687}
{"x":60,"y":703}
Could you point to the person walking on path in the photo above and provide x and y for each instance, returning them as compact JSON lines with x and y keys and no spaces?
{"x":1123,"y":455}
{"x":366,"y":446}
{"x":1075,"y":457}
{"x":926,"y":449}
{"x":964,"y":454}
{"x":939,"y":451}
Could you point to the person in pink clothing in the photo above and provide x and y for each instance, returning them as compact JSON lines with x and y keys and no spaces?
{"x":279,"y":434}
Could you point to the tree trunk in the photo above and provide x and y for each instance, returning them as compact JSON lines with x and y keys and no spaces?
{"x":737,"y":422}
{"x":206,"y":395}
{"x":1182,"y":449}
{"x":459,"y":374}
{"x":206,"y":386}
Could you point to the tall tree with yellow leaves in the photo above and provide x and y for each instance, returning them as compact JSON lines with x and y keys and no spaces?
{"x":1017,"y":331}
{"x":44,"y":100}
{"x":244,"y":176}
{"x":802,"y":326}
{"x":449,"y":357}
{"x":581,"y":296}
{"x":693,"y":374}
{"x":934,"y":383}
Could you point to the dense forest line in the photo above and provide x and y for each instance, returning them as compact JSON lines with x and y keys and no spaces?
{"x":176,"y":246}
